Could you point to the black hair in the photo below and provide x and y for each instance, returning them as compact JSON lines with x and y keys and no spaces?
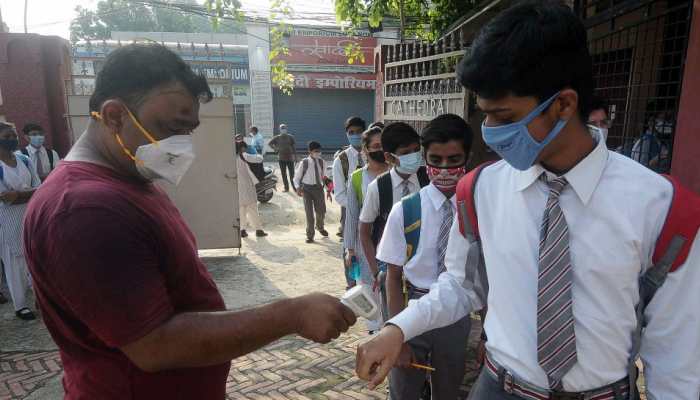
{"x":254,"y":129}
{"x":5,"y":126}
{"x":355,"y":121}
{"x":313,"y":145}
{"x":447,"y":127}
{"x":30,"y":127}
{"x":131,"y":71}
{"x":598,"y":103}
{"x":369,"y":134}
{"x":378,"y":124}
{"x":535,"y":48}
{"x":240,"y":146}
{"x":398,"y":134}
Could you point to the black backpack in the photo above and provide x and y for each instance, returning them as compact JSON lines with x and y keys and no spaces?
{"x":386,"y":200}
{"x":49,"y":153}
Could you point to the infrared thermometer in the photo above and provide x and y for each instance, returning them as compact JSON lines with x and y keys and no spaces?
{"x":361,"y":301}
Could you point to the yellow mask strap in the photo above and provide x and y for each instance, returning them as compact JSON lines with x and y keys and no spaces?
{"x":128,"y":152}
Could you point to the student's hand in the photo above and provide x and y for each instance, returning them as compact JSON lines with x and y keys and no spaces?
{"x":300,"y":192}
{"x":322,"y":318}
{"x":376,"y":358}
{"x":348,"y":258}
{"x":9,"y":197}
{"x":406,"y":357}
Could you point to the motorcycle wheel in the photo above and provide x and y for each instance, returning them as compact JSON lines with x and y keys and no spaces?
{"x":266,"y":196}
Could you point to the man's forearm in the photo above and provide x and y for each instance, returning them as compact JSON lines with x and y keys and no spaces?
{"x":394,"y":288}
{"x":200,"y":339}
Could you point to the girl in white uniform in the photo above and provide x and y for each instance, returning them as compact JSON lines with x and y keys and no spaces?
{"x":247,"y":196}
{"x":17,"y":184}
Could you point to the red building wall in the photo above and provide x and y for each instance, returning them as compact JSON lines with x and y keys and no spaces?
{"x":686,"y":148}
{"x":33,"y":72}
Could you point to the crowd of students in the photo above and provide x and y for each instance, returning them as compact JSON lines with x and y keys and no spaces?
{"x":21,"y":173}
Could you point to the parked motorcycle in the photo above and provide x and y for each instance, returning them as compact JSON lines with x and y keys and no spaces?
{"x":267,"y":185}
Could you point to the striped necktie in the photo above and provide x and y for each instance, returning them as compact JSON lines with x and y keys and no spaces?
{"x":406,"y":188}
{"x":556,"y":339}
{"x":447,"y":215}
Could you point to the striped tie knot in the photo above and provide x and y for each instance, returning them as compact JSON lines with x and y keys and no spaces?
{"x":556,"y":186}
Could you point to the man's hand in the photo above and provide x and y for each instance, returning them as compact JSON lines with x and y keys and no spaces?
{"x":376,"y":358}
{"x":322,"y":318}
{"x":9,"y":197}
{"x":300,"y":192}
{"x":406,"y":357}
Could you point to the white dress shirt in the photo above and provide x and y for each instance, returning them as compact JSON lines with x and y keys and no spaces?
{"x":42,"y":153}
{"x":339,"y":180}
{"x":370,"y":208}
{"x":615,"y":209}
{"x":310,"y":177}
{"x":422,"y":269}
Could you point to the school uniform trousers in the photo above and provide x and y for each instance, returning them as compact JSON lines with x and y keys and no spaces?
{"x":444,"y":348}
{"x":309,"y":179}
{"x":609,"y":213}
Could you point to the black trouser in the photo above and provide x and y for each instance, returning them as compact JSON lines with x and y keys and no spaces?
{"x":284,"y":167}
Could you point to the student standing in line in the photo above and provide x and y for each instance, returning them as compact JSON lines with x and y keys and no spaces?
{"x":247,"y":196}
{"x":18,"y":181}
{"x":309,"y":179}
{"x":567,"y":228}
{"x":346,"y":163}
{"x":285,"y":146}
{"x":401,"y":145}
{"x":356,"y":191}
{"x":44,"y":160}
{"x":416,"y":259}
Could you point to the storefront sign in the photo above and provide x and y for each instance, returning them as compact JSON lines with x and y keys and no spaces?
{"x":335,"y":81}
{"x":328,"y":50}
{"x":222,"y":71}
{"x":427,"y":108}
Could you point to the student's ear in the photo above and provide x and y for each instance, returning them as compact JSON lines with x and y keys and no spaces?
{"x":567,"y":104}
{"x":389,"y":158}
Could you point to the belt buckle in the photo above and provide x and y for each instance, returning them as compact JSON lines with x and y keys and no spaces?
{"x":555,"y":395}
{"x":508,"y":383}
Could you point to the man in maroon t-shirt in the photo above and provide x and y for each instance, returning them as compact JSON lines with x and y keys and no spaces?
{"x":132,"y":308}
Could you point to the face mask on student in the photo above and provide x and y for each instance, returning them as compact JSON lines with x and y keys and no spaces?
{"x":9,"y":144}
{"x":37,"y":140}
{"x":377,"y":156}
{"x":167,"y":159}
{"x":409,"y":163}
{"x":316,"y":155}
{"x":446,"y":179}
{"x":354,"y":140}
{"x":283,"y":130}
{"x":515,"y":144}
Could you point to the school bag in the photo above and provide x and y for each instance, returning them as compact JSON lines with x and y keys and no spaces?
{"x":386,"y":200}
{"x":24,"y":159}
{"x":49,"y":153}
{"x":671,"y":250}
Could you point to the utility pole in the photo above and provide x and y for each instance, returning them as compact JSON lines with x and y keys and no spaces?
{"x":25,"y":15}
{"x":401,"y":18}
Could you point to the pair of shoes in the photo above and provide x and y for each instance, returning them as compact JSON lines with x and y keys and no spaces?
{"x":244,"y":234}
{"x":25,"y":314}
{"x":3,"y":299}
{"x":309,"y":241}
{"x":323,"y":232}
{"x":339,"y":234}
{"x":260,"y":233}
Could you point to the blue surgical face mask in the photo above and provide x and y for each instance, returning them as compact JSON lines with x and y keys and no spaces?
{"x":354,"y":140}
{"x":37,"y":140}
{"x":515,"y":144}
{"x":409,"y":163}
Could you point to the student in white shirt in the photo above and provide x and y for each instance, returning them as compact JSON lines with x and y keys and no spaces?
{"x":357,"y":189}
{"x":44,"y":160}
{"x":309,"y":179}
{"x":531,"y":71}
{"x":345,"y":163}
{"x":446,"y":143}
{"x":401,"y":144}
{"x":18,"y":183}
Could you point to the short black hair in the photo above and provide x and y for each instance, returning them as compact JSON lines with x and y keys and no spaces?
{"x":597,"y":103}
{"x":30,"y":127}
{"x":355,"y":121}
{"x":447,"y":127}
{"x":131,"y":71}
{"x":314,"y":145}
{"x":535,"y":48}
{"x":398,"y":134}
{"x":254,"y":129}
{"x":378,"y":124}
{"x":369,"y":134}
{"x":5,"y":126}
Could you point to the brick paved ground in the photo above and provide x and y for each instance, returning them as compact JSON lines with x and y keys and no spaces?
{"x":279,"y":266}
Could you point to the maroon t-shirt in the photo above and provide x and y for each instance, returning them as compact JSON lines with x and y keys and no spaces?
{"x":112,"y":260}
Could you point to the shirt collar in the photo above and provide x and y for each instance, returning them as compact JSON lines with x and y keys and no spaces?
{"x":396,"y":180}
{"x":437,"y":198}
{"x":353,"y":151}
{"x":33,"y":149}
{"x":583,"y":178}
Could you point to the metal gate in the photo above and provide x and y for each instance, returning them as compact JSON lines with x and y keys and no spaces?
{"x":638,"y":49}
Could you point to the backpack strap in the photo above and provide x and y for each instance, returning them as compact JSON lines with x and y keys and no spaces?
{"x":386,"y":194}
{"x":671,"y":251}
{"x":24,"y":151}
{"x":411,"y":223}
{"x":25,"y":160}
{"x":49,"y":153}
{"x":344,"y":164}
{"x":356,"y":182}
{"x":468,"y":224}
{"x":304,"y":168}
{"x":422,"y":175}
